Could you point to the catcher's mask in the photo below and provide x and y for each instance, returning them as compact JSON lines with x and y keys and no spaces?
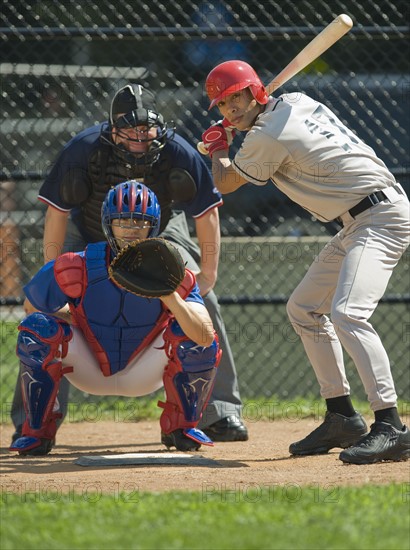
{"x":232,"y":76}
{"x":131,"y":107}
{"x":130,"y":200}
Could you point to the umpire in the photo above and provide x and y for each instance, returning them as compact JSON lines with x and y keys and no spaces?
{"x":136,"y":143}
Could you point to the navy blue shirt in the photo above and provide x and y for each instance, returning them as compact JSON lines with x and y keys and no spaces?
{"x":76,"y":153}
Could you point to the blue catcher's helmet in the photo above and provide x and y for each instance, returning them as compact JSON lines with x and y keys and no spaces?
{"x":130,"y":199}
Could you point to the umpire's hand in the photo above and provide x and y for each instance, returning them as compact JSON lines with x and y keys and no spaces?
{"x":205,"y":282}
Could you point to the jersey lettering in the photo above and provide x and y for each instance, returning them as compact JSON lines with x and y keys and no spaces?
{"x":329,"y":127}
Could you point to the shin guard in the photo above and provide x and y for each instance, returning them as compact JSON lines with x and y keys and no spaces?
{"x":188,"y":381}
{"x":42,"y":342}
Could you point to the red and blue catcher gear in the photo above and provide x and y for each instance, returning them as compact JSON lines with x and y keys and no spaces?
{"x":116,"y":327}
{"x":42,"y":343}
{"x":116,"y":324}
{"x":188,"y":380}
{"x":130,"y":199}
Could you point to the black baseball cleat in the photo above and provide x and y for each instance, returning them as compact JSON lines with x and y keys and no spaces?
{"x":335,"y":431}
{"x":230,"y":428}
{"x":383,"y":442}
{"x":180,"y":441}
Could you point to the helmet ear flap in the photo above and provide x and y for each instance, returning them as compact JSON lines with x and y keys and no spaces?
{"x":259,"y":93}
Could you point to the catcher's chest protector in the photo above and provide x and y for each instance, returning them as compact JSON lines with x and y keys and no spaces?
{"x":114,"y":322}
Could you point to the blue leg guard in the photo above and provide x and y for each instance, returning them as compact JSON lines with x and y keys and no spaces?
{"x":188,"y":380}
{"x":42,"y":340}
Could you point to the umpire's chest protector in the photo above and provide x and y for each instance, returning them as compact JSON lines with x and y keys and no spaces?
{"x":116,"y":323}
{"x":105,"y":171}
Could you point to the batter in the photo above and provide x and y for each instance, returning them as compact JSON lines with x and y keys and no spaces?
{"x":301,"y":146}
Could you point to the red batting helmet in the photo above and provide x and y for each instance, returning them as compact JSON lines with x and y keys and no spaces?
{"x":232,"y":76}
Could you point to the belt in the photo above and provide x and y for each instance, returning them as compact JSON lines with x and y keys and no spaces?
{"x":367,"y":202}
{"x":389,"y":193}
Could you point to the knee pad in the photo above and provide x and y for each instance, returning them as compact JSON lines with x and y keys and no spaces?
{"x":42,"y":340}
{"x":188,"y":379}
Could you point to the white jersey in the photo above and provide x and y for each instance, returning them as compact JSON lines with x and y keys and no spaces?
{"x":311,"y":156}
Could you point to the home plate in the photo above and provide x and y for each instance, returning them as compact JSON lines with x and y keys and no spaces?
{"x":152,"y":459}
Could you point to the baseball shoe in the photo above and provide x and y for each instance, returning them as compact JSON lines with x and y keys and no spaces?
{"x":180,"y":441}
{"x":230,"y":428}
{"x":335,"y":431}
{"x":383,"y":442}
{"x":16,"y":434}
{"x":32,"y":446}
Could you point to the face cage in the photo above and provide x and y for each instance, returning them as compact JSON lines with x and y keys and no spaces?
{"x":107,"y":226}
{"x":130,"y":120}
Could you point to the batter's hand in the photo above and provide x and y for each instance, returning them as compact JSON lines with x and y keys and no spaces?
{"x":217,"y":138}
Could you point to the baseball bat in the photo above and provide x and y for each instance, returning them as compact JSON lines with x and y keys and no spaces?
{"x":322,"y":42}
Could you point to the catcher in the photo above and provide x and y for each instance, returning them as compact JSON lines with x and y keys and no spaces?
{"x":136,"y":322}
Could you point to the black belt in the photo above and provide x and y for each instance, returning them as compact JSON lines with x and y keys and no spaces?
{"x":367,"y":202}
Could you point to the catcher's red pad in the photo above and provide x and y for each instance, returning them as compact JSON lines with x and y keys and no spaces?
{"x":149,"y":268}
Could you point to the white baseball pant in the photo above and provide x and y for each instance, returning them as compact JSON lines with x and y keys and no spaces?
{"x":142,"y":376}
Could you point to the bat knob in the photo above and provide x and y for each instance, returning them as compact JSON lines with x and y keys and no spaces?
{"x":345,"y":20}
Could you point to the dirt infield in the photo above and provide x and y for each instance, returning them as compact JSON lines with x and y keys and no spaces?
{"x":263,"y":461}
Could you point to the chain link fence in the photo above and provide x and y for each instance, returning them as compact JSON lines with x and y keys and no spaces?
{"x":62,"y":62}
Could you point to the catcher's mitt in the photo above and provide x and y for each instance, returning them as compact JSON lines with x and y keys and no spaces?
{"x":149,"y":268}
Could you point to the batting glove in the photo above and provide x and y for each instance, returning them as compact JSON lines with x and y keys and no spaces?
{"x":217,"y":138}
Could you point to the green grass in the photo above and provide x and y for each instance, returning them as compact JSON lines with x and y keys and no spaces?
{"x":278,"y":517}
{"x":124,"y":409}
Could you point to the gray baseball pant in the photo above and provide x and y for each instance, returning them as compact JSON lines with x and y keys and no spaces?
{"x":332,"y":305}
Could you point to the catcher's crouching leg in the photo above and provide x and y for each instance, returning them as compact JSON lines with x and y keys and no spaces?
{"x":188,"y":380}
{"x":42,"y":340}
